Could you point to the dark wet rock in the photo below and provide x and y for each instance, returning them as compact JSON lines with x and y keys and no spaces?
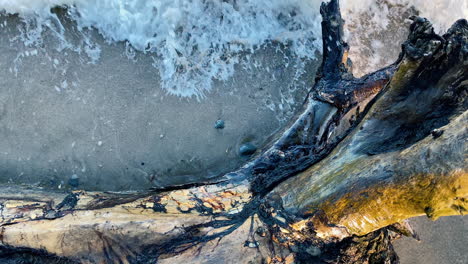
{"x":219,"y":124}
{"x":247,"y":149}
{"x":437,"y":133}
{"x":74,"y":181}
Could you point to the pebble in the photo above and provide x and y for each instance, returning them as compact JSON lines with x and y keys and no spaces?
{"x":436,"y":133}
{"x":247,"y":149}
{"x":219,"y":124}
{"x":74,"y":181}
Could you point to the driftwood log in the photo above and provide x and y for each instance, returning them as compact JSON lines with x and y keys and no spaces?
{"x":335,"y":187}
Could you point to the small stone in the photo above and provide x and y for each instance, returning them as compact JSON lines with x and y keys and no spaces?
{"x":247,"y":149}
{"x":74,"y":181}
{"x":219,"y":124}
{"x":437,"y":133}
{"x":99,"y":143}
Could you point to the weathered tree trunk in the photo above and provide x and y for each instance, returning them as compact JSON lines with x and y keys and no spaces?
{"x":336,"y":187}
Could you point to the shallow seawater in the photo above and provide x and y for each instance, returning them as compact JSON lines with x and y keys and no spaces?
{"x":112,"y":126}
{"x":125,"y":95}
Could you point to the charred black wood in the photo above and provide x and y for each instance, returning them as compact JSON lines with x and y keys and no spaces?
{"x":9,"y":255}
{"x":436,"y":92}
{"x":336,"y":93}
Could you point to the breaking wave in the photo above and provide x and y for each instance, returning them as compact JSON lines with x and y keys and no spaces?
{"x":194,"y":42}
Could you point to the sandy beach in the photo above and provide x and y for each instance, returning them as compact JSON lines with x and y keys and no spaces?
{"x":442,"y":242}
{"x":110,"y":125}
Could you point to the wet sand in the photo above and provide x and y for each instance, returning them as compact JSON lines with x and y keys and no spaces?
{"x":109,"y":125}
{"x":444,"y":241}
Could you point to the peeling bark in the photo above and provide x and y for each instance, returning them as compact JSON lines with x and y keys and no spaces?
{"x":366,"y":154}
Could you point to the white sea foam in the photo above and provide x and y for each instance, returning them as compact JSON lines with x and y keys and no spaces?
{"x":443,"y":13}
{"x":376,"y":28}
{"x":196,"y":41}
